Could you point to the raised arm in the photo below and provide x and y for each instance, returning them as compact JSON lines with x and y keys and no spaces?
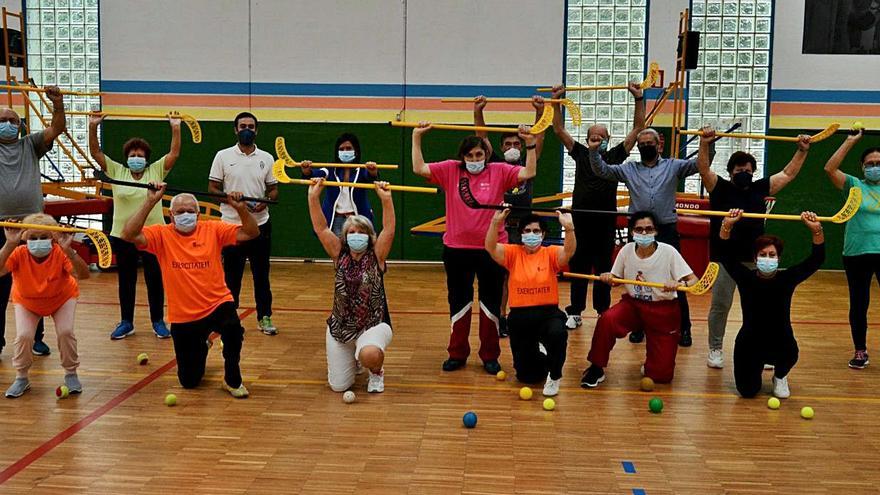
{"x":832,"y":167}
{"x":134,"y":227}
{"x":249,"y":228}
{"x":738,"y":272}
{"x":479,"y":119}
{"x":782,"y":178}
{"x":332,"y":245}
{"x":495,"y":250}
{"x":538,"y":104}
{"x":385,"y":239}
{"x":13,"y":239}
{"x":174,"y":151}
{"x":570,"y":244}
{"x":418,"y":162}
{"x":94,"y":144}
{"x":80,"y":268}
{"x":558,"y":123}
{"x":602,"y":169}
{"x":704,"y":165}
{"x":531,"y":168}
{"x":803,"y":270}
{"x":59,"y":120}
{"x":638,"y":116}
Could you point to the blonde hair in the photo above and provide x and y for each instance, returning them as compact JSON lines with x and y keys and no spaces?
{"x":37,"y":219}
{"x":359,"y":221}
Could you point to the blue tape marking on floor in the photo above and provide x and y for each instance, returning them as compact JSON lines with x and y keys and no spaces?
{"x":639,"y":491}
{"x":628,"y":467}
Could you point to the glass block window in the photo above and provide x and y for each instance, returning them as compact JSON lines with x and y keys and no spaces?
{"x":62,"y":49}
{"x":731,"y":82}
{"x":606,"y":43}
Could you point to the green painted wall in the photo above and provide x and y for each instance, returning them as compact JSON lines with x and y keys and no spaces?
{"x":380,"y":142}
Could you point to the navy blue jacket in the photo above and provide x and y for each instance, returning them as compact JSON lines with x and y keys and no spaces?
{"x":358,"y":196}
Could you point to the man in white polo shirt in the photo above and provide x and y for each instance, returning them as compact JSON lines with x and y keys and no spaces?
{"x":247,"y":169}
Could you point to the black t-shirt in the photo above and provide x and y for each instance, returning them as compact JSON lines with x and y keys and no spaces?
{"x":521,"y":195}
{"x":592,"y":192}
{"x":726,"y":196}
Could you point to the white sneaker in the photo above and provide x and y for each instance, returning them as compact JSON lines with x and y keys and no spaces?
{"x":542,"y":349}
{"x":551,"y":387}
{"x":376,"y":382}
{"x":780,"y":387}
{"x":573,"y":322}
{"x":716,"y":359}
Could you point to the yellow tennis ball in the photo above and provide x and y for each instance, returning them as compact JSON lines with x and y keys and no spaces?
{"x":807,"y":412}
{"x":501,"y":376}
{"x":170,"y":400}
{"x":647,"y":384}
{"x":858,"y":125}
{"x":773,"y":403}
{"x":525,"y":393}
{"x":62,"y":392}
{"x":143,"y":358}
{"x":549,"y":404}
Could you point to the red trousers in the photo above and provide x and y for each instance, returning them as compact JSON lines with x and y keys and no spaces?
{"x":661,"y":322}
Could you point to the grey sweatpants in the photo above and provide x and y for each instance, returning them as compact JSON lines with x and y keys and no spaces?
{"x":722,"y":299}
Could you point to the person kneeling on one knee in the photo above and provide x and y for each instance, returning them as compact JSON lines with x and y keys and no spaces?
{"x":199,"y":302}
{"x":535,"y":318}
{"x":642,"y":309}
{"x":359,"y":327}
{"x":766,"y":335}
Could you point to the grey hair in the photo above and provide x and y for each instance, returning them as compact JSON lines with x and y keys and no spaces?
{"x":361,"y":222}
{"x":599,"y":126}
{"x":652,"y":132}
{"x":180,"y":197}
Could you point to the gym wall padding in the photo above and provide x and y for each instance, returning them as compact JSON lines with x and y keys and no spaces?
{"x":292,"y":231}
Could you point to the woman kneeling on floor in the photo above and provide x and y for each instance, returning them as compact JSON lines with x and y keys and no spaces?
{"x":359,"y":327}
{"x":653,"y":311}
{"x":535,"y":318}
{"x":765,"y":295}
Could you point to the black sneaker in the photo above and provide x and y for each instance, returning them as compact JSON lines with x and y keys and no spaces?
{"x":859,"y":360}
{"x":40,"y":348}
{"x":637,"y":337}
{"x":592,"y":377}
{"x":686,"y":340}
{"x":502,"y":327}
{"x":453,"y":364}
{"x":492,"y":367}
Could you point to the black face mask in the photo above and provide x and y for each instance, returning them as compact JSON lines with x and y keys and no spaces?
{"x":742,"y":180}
{"x":648,"y":152}
{"x":246,"y":137}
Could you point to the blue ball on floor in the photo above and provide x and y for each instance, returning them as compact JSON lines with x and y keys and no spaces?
{"x":469,"y":419}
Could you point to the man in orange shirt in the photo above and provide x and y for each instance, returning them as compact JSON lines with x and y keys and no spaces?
{"x":535,"y":319}
{"x":192,"y":272}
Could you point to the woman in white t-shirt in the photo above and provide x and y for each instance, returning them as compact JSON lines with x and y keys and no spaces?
{"x":644,"y":309}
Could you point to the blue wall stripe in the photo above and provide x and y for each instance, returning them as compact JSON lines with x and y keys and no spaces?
{"x":824,"y":96}
{"x":309,"y":89}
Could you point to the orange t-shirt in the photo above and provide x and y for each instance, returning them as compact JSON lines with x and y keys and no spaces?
{"x":192,"y":272}
{"x":532,"y":279}
{"x":41,"y":286}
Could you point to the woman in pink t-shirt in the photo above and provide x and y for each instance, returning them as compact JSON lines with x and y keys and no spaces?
{"x":463,"y":255}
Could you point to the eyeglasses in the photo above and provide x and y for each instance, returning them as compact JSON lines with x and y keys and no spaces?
{"x":644,"y":230}
{"x":871,"y":164}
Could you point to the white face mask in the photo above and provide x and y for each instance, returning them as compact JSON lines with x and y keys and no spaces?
{"x":185,"y":222}
{"x":475,"y":167}
{"x":512,"y":155}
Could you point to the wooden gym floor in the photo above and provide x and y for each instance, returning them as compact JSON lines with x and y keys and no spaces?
{"x":293,"y":435}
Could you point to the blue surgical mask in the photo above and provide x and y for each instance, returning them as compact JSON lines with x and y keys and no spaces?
{"x":872,"y":174}
{"x":475,"y":167}
{"x":39,"y":248}
{"x":767,"y":266}
{"x":247,"y":136}
{"x":532,"y":239}
{"x":137,"y":164}
{"x":643,"y":240}
{"x":357,"y":242}
{"x":8,"y":130}
{"x":185,"y":222}
{"x":347,"y":156}
{"x":603,"y":146}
